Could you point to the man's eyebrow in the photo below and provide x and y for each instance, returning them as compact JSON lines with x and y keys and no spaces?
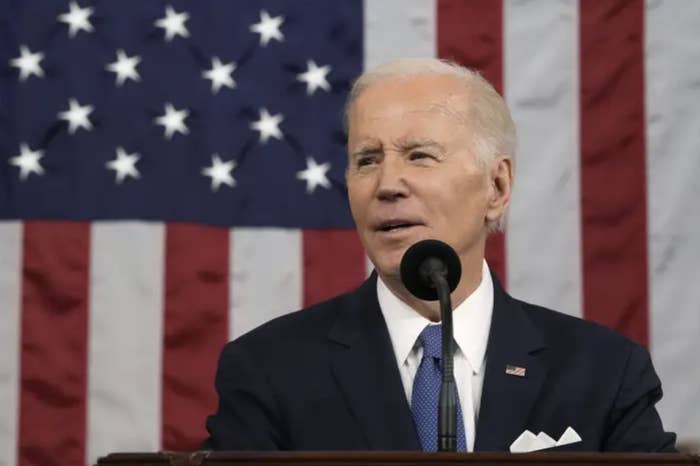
{"x":367,"y":149}
{"x":404,"y":146}
{"x":419,"y":143}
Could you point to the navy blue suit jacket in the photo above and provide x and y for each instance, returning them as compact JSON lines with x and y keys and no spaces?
{"x":325,"y":378}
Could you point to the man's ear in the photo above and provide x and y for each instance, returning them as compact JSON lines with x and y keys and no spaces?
{"x":500,"y":187}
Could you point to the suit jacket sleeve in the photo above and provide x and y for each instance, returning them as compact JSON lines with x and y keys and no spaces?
{"x":247,"y":417}
{"x":634,"y":423}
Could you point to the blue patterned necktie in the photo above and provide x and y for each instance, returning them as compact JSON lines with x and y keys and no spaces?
{"x":426,"y":392}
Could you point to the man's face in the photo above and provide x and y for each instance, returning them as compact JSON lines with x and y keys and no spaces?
{"x":411,"y":174}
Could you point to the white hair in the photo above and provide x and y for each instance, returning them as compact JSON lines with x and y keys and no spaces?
{"x":487,"y":116}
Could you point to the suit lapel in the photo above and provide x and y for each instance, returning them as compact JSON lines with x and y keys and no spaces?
{"x":507,"y":400}
{"x":365,"y":369}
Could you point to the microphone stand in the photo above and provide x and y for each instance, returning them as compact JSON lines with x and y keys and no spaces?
{"x":447,"y":415}
{"x":431,"y":269}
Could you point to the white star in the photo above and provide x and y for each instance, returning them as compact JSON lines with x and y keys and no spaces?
{"x":315,"y":77}
{"x":220,"y":75}
{"x":173,"y":23}
{"x":77,"y":116}
{"x":28,"y":63}
{"x":124,"y":165}
{"x":268,"y":28}
{"x":268,"y":125}
{"x":314,"y":175}
{"x":27,"y":161}
{"x":77,"y":19}
{"x":125,"y":67}
{"x":220,"y":172}
{"x":173,"y":120}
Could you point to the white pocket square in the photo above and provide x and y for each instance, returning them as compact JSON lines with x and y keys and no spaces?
{"x":527,"y":441}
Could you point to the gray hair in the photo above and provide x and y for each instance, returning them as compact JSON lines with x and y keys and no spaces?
{"x":487,"y":115}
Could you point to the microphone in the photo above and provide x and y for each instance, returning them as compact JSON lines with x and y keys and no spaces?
{"x":430,"y":270}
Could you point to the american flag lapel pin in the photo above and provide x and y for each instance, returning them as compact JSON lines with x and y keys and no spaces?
{"x":515,"y":370}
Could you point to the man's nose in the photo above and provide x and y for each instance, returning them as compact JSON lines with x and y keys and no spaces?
{"x":392,"y":183}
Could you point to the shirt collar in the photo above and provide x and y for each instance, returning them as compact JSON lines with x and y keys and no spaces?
{"x":471,"y":321}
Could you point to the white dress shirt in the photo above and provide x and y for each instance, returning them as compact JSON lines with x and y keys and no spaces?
{"x":471,"y":321}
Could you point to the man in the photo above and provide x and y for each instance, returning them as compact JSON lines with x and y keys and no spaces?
{"x":430,"y":149}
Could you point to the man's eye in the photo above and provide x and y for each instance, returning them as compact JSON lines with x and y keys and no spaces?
{"x":363,"y":161}
{"x":420,"y":155}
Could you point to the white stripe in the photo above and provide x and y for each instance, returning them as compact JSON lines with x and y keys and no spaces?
{"x":399,"y":28}
{"x":541,"y":87}
{"x":10,"y":273}
{"x":266,"y":268}
{"x":673,"y":137}
{"x":125,"y":338}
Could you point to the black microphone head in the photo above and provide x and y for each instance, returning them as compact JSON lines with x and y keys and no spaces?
{"x":423,"y":255}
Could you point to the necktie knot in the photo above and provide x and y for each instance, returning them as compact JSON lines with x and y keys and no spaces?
{"x":431,"y":340}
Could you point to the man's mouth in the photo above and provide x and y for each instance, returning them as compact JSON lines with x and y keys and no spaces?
{"x":395,"y":225}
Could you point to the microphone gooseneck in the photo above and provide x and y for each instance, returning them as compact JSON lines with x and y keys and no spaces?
{"x":430,"y":270}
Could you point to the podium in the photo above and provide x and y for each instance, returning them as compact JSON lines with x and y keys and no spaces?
{"x":205,"y":458}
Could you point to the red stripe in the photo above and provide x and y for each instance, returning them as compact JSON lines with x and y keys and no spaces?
{"x":334,"y":262}
{"x":196,"y":328}
{"x":55,"y":274}
{"x":613,"y":173}
{"x":470,"y":33}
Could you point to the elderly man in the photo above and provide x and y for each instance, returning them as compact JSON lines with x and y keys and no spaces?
{"x":430,"y":148}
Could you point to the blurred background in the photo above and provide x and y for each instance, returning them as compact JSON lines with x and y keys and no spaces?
{"x":172,"y":175}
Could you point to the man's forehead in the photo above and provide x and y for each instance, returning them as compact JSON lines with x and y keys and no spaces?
{"x":413,"y":114}
{"x":413,"y":96}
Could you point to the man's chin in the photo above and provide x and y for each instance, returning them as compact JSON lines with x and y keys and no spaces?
{"x":387,"y":257}
{"x":389,"y":267}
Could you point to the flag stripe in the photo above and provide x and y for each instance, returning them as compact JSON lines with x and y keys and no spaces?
{"x":54,"y":343}
{"x":673,"y":119}
{"x":542,"y":93}
{"x":471,"y":33}
{"x":195,"y":329}
{"x":10,"y":266}
{"x":265,"y":281}
{"x":389,"y":35}
{"x":126,"y":302}
{"x":334,"y":262}
{"x":613,"y":194}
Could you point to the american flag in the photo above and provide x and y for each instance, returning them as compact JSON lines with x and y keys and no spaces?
{"x":172,"y":175}
{"x":516,"y":371}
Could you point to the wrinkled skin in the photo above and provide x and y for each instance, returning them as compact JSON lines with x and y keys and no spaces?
{"x":412,"y":176}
